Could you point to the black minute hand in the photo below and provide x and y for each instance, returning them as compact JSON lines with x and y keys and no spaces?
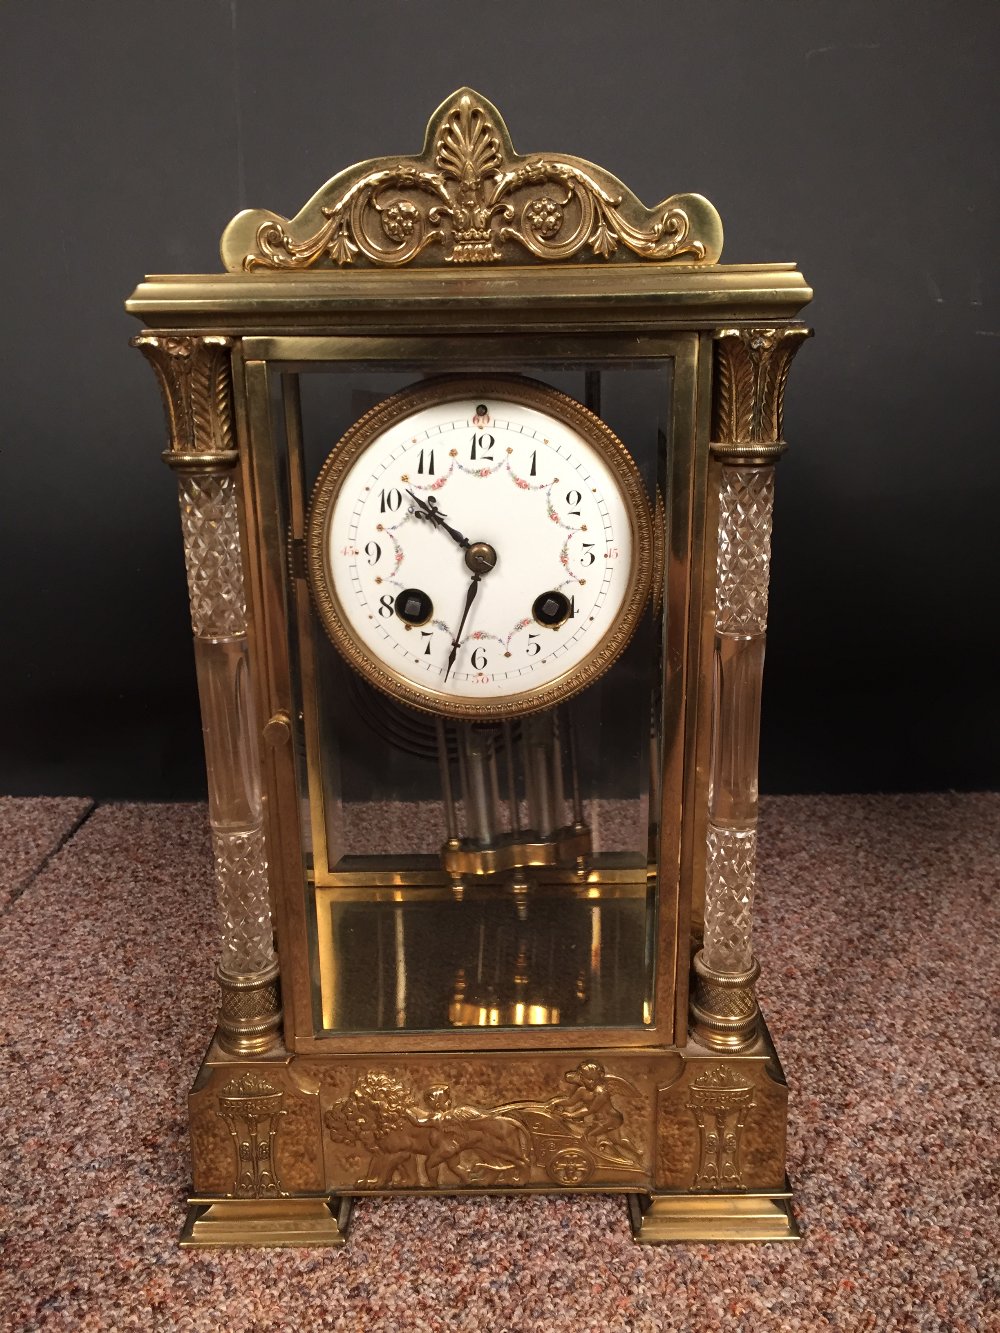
{"x":470,"y":597}
{"x":428,"y":509}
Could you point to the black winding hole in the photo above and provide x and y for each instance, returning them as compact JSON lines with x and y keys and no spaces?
{"x":414,"y":607}
{"x":551,"y":609}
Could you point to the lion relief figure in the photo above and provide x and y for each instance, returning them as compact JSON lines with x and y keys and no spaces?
{"x":429,"y":1145}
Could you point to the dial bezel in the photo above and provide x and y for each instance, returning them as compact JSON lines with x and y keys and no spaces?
{"x":438,"y":391}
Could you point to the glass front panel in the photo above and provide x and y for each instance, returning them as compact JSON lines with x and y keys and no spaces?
{"x":487,"y":873}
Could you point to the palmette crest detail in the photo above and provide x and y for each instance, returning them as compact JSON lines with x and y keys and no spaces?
{"x":468,"y":198}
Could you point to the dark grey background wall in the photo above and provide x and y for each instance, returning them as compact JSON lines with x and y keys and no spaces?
{"x":857,"y":139}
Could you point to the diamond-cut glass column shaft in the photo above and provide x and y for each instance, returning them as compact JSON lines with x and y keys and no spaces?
{"x":746,"y":497}
{"x":210,"y":522}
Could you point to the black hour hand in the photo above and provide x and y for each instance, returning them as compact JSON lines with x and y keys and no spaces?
{"x":428,"y":509}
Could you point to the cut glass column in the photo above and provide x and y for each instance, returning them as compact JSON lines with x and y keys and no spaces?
{"x":210,"y":523}
{"x":746,"y":498}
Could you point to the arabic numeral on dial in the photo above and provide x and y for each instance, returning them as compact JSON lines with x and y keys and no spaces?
{"x":425,"y":465}
{"x":572,"y":607}
{"x":374,"y":553}
{"x":479,"y":659}
{"x":428,"y":635}
{"x":385,"y":605}
{"x":588,"y":556}
{"x":389,"y":500}
{"x":573,"y":498}
{"x":534,"y":647}
{"x":482,"y":447}
{"x":533,"y":471}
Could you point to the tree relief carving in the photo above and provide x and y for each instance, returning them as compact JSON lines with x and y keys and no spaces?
{"x":470,"y":199}
{"x":430,"y":1139}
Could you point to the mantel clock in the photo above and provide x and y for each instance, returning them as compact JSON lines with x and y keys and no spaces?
{"x":476,"y":461}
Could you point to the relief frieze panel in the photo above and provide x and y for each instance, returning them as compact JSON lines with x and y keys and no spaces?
{"x":389,"y":1131}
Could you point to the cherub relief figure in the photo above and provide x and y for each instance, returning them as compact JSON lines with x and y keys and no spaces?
{"x":591,"y":1107}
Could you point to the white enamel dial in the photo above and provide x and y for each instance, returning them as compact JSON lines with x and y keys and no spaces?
{"x":480,"y":547}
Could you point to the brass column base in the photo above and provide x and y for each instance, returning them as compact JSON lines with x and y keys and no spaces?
{"x":724,"y":1012}
{"x":250,"y":1012}
{"x":220,"y":1222}
{"x":750,"y":1215}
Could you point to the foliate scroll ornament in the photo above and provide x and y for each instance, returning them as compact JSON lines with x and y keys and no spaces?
{"x":195,"y":380}
{"x":751,"y":371}
{"x":252,"y":1110}
{"x":428,"y":1139}
{"x":473,"y":200}
{"x":720,"y":1100}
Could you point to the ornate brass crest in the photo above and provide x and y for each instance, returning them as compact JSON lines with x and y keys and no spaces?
{"x":568,"y":1140}
{"x":469,"y":198}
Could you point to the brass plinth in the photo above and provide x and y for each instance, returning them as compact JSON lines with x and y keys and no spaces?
{"x":698,"y":1139}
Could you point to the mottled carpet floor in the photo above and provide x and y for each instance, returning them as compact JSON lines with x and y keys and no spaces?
{"x":879,"y":934}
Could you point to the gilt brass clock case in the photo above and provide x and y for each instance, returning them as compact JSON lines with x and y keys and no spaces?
{"x":508,"y":949}
{"x":635,"y":534}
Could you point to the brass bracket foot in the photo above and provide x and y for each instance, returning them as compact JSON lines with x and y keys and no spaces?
{"x":304,"y":1220}
{"x":751,"y":1215}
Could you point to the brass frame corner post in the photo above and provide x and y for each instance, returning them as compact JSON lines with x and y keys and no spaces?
{"x":195,"y":379}
{"x":751,"y":370}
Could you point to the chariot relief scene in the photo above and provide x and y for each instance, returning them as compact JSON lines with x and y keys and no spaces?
{"x":430,"y":1139}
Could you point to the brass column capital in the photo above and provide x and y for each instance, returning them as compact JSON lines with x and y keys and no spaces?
{"x":751,"y":370}
{"x":195,"y":379}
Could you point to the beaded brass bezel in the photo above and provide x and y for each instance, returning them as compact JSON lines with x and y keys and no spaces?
{"x":527,"y":393}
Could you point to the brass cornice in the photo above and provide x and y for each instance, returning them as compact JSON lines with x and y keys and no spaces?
{"x":579,"y":296}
